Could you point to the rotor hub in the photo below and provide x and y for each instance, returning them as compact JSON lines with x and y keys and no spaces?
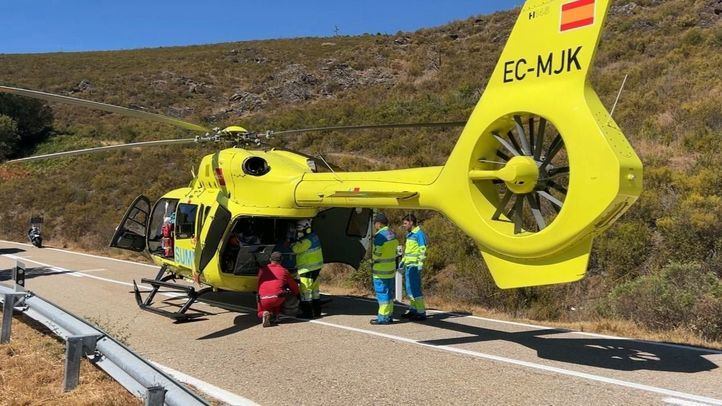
{"x":525,"y":174}
{"x":520,"y":174}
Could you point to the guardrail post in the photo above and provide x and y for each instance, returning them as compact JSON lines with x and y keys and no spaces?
{"x":73,"y":352}
{"x":155,"y":396}
{"x":75,"y":348}
{"x":8,"y":305}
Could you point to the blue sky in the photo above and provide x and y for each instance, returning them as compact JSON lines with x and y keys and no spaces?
{"x":83,"y":25}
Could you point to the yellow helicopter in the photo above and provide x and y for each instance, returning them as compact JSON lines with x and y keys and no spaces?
{"x":539,"y":170}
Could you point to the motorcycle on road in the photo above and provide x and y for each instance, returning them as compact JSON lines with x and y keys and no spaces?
{"x":34,"y":234}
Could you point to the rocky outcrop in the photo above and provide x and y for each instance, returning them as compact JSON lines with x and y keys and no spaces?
{"x":82,"y":87}
{"x":245,"y":102}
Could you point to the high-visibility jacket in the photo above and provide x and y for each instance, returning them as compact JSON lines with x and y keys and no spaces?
{"x":415,"y":248}
{"x":309,"y":256}
{"x":384,"y":254}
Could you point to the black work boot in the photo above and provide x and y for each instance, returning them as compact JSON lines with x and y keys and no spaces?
{"x":306,"y":311}
{"x":316,"y":304}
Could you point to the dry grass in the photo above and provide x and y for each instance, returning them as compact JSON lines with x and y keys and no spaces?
{"x":31,"y":373}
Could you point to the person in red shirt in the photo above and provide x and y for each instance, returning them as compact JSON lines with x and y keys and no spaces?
{"x":277,"y":291}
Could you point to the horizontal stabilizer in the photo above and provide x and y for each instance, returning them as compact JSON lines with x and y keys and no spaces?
{"x":569,"y":265}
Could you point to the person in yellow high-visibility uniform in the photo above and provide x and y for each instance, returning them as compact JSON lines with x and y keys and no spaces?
{"x":309,"y":261}
{"x":384,"y":268}
{"x":412,"y":264}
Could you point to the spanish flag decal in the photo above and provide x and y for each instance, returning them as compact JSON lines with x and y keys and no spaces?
{"x":577,"y":13}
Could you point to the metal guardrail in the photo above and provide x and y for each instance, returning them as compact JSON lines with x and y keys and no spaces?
{"x":137,"y":375}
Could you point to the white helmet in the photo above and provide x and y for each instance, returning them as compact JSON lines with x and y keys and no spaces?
{"x":302,"y":225}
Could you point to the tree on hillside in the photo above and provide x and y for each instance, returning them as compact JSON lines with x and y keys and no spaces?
{"x":9,"y":138}
{"x":23,"y":123}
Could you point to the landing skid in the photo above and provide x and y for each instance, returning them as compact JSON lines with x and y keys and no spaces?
{"x":161,"y":280}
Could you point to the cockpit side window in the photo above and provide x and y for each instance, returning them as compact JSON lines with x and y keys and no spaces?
{"x":358,"y":223}
{"x":186,"y":221}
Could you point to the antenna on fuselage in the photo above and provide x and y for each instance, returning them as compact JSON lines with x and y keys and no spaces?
{"x":329,"y":168}
{"x":611,"y":114}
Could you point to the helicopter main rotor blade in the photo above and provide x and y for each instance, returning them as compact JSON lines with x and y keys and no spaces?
{"x":102,"y":106}
{"x":372,"y":126}
{"x":103,"y":149}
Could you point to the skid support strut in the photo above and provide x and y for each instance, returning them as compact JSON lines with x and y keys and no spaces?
{"x":162,"y":280}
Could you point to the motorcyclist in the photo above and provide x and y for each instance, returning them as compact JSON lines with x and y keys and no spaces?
{"x":34,"y":236}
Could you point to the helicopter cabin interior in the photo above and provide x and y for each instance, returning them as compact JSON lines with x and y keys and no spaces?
{"x":245,"y":242}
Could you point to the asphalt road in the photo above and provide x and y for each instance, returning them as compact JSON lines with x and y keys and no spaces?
{"x":341,"y":359}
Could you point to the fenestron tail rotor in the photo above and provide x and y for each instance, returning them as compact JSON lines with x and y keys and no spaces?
{"x":531,"y":207}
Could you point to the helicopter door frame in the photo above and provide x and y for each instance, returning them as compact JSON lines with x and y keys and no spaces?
{"x":214,"y":229}
{"x":163,"y":207}
{"x":132,"y":231}
{"x":345,"y":234}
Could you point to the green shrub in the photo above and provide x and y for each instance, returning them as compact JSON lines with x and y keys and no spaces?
{"x":667,"y":299}
{"x":622,"y":250}
{"x":691,"y":231}
{"x":708,"y":317}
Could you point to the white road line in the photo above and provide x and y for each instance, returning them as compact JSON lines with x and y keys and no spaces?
{"x":79,"y":274}
{"x":537,"y":327}
{"x":531,"y":365}
{"x":680,"y":346}
{"x":149,"y":288}
{"x":83,"y":254}
{"x":512,"y":323}
{"x":23,"y":259}
{"x":92,"y":270}
{"x":682,"y":402}
{"x":546,"y":368}
{"x":205,"y":387}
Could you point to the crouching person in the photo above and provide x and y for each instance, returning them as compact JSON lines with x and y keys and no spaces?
{"x":277,"y":291}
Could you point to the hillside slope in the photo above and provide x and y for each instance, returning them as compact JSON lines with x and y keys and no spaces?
{"x":659,"y":266}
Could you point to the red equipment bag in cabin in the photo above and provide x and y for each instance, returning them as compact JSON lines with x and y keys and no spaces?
{"x":167,"y":241}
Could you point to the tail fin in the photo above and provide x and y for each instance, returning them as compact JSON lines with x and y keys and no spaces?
{"x":553,"y":43}
{"x":568,"y":172}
